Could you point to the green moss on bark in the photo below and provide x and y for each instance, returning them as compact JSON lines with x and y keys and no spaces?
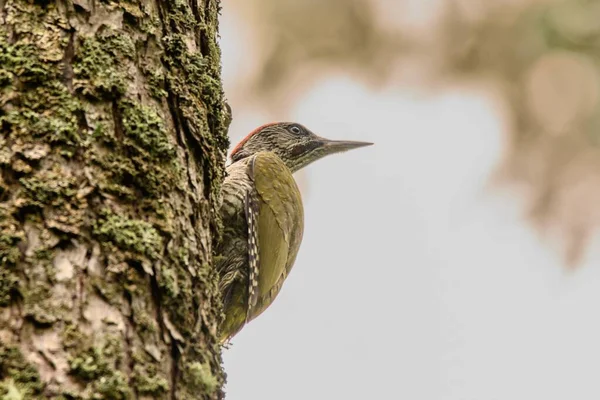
{"x":89,"y":365}
{"x":148,"y":158}
{"x":50,"y":187}
{"x":38,"y":305}
{"x":131,"y":235}
{"x":156,"y":82}
{"x":9,"y":283}
{"x":17,"y":376}
{"x":181,"y":15}
{"x":96,"y":367}
{"x":99,"y":67}
{"x":10,"y":237}
{"x":145,"y":132}
{"x":149,"y":383}
{"x":112,"y":387}
{"x":201,"y":378}
{"x":195,"y":80}
{"x":44,"y":108}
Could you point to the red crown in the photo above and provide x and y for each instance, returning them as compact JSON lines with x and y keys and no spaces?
{"x":244,"y":140}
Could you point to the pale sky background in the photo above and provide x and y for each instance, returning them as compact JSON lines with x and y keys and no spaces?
{"x":416,"y":278}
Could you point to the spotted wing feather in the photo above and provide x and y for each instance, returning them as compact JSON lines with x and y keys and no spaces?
{"x":252,"y":210}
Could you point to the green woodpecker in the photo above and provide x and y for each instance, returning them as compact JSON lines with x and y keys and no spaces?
{"x":263,"y":216}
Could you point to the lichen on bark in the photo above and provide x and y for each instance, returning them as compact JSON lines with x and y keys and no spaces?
{"x":112,"y":143}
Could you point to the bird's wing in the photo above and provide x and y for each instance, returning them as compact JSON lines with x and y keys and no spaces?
{"x":279,"y":223}
{"x":251,"y":207}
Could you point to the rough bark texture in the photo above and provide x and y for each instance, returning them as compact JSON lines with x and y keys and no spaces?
{"x":111,"y":156}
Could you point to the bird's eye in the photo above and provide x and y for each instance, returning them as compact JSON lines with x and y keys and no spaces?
{"x":295,"y":129}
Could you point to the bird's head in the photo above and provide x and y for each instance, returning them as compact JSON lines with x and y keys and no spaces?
{"x":293,"y":143}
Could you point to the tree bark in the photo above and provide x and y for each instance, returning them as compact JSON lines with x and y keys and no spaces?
{"x":112,"y":144}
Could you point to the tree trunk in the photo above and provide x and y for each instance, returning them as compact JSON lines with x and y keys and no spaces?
{"x":113,"y":135}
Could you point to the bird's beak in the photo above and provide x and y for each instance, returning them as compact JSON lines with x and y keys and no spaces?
{"x":339,"y":146}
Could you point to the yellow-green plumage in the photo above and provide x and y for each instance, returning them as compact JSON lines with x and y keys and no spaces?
{"x":280,"y":224}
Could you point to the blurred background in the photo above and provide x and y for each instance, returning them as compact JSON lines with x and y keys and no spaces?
{"x":457,"y":259}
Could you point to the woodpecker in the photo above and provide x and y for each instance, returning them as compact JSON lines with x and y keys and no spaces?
{"x":263,"y":217}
